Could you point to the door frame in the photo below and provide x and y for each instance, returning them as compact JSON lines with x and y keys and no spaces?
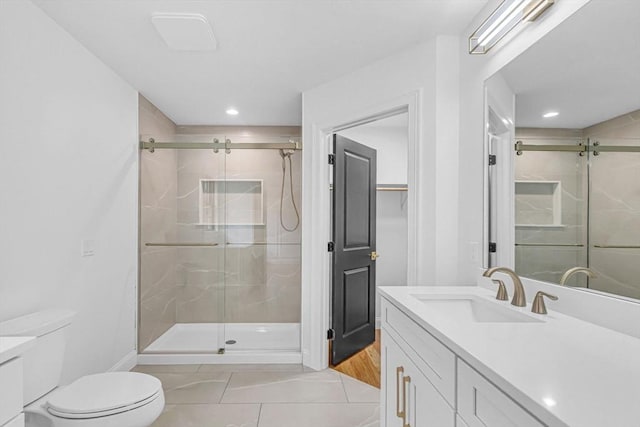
{"x":316,"y":260}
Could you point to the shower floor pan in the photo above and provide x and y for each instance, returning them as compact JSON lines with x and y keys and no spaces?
{"x":241,"y":337}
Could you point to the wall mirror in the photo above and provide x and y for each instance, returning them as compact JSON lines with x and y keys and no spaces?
{"x":570,"y":141}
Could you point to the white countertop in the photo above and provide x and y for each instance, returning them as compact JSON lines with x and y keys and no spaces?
{"x":11,"y":347}
{"x":565,"y":371}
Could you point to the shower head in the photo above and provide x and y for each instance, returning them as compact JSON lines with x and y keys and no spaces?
{"x":286,"y":153}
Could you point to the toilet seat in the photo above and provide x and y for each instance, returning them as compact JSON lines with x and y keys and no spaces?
{"x":102,"y":395}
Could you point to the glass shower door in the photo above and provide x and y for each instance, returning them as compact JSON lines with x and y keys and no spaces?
{"x":182,"y":250}
{"x":614,"y":217}
{"x":201,"y":223}
{"x":262,"y":261}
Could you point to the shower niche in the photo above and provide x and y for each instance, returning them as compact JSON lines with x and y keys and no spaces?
{"x":220,"y":270}
{"x":231,"y":202}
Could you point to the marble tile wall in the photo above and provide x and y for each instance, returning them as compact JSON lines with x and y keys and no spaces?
{"x":615,"y":207}
{"x":253,"y":275}
{"x":158,"y":218}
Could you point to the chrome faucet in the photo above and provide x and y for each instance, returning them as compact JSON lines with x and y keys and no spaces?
{"x":519,"y":299}
{"x":570,"y":272}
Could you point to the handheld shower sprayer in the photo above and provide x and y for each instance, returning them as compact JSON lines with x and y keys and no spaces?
{"x":286,"y":154}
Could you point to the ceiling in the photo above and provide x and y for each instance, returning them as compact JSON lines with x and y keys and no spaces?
{"x":269,"y":51}
{"x":587,"y":69}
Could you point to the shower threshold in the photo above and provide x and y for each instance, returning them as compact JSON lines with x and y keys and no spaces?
{"x":201,"y":343}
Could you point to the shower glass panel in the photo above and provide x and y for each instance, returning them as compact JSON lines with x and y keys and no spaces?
{"x":182,"y":253}
{"x":220,"y":247}
{"x":262,"y":261}
{"x":551,"y":214}
{"x":614,"y":222}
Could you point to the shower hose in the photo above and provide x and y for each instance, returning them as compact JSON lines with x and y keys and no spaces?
{"x":285,"y":156}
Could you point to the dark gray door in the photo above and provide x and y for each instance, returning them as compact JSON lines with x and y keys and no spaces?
{"x":354,"y":236}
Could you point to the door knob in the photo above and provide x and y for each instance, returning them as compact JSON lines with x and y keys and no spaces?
{"x":374,"y":255}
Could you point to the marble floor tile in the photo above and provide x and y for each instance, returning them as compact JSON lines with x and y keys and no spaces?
{"x":152,"y":369}
{"x":358,"y":391}
{"x":284,"y":387}
{"x":320,"y":415}
{"x":251,"y":368}
{"x":193,"y":388}
{"x":232,"y":415}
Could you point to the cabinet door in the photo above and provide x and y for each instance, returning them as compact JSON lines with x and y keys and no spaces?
{"x":481,"y":404}
{"x":426,"y":407}
{"x":393,"y":366}
{"x":410,"y":400}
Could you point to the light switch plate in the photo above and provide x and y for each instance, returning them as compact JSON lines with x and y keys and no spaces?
{"x":88,"y":247}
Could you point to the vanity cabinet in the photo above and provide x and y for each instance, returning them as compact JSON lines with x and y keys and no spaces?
{"x":424,"y":383}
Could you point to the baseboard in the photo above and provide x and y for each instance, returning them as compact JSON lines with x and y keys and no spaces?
{"x":378,"y":322}
{"x":126,"y":363}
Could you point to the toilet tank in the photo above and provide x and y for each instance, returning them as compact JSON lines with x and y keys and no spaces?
{"x":42,"y":363}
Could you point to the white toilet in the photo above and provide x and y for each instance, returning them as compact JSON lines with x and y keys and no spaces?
{"x":112,"y":399}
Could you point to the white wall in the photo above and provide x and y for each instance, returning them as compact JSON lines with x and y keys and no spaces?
{"x":390,"y":143}
{"x":475,"y":69}
{"x":68,"y":172}
{"x":410,"y":73}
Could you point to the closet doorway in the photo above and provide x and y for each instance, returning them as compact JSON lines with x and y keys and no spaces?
{"x":389,"y":137}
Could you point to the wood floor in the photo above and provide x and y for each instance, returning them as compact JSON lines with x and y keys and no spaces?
{"x":364,"y":365}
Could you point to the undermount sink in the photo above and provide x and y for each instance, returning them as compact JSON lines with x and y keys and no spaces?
{"x":474,"y":308}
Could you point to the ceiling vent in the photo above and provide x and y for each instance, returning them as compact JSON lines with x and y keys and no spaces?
{"x":185,"y":31}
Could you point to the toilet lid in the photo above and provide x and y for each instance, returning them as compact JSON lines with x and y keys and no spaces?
{"x":104,"y":393}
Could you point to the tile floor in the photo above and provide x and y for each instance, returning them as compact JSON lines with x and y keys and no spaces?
{"x":263,"y":396}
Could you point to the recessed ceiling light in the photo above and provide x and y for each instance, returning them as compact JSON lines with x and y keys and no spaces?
{"x":550,"y":114}
{"x":232,"y":111}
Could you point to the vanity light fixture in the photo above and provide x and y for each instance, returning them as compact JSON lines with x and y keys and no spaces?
{"x":232,"y":111}
{"x":509,"y":14}
{"x":550,"y":114}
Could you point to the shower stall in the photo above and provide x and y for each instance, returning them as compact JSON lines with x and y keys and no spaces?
{"x":577,"y":203}
{"x":219,"y":248}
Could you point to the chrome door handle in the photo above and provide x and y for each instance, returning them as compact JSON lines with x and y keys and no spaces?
{"x":374,"y":255}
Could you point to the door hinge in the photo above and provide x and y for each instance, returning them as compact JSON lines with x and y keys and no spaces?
{"x":331,"y":246}
{"x":492,"y":159}
{"x":332,"y":159}
{"x":493,"y":247}
{"x":331,"y":334}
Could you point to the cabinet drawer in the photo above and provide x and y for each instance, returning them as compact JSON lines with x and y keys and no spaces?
{"x":16,"y":422}
{"x":481,"y":404}
{"x":436,"y":361}
{"x":10,"y":389}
